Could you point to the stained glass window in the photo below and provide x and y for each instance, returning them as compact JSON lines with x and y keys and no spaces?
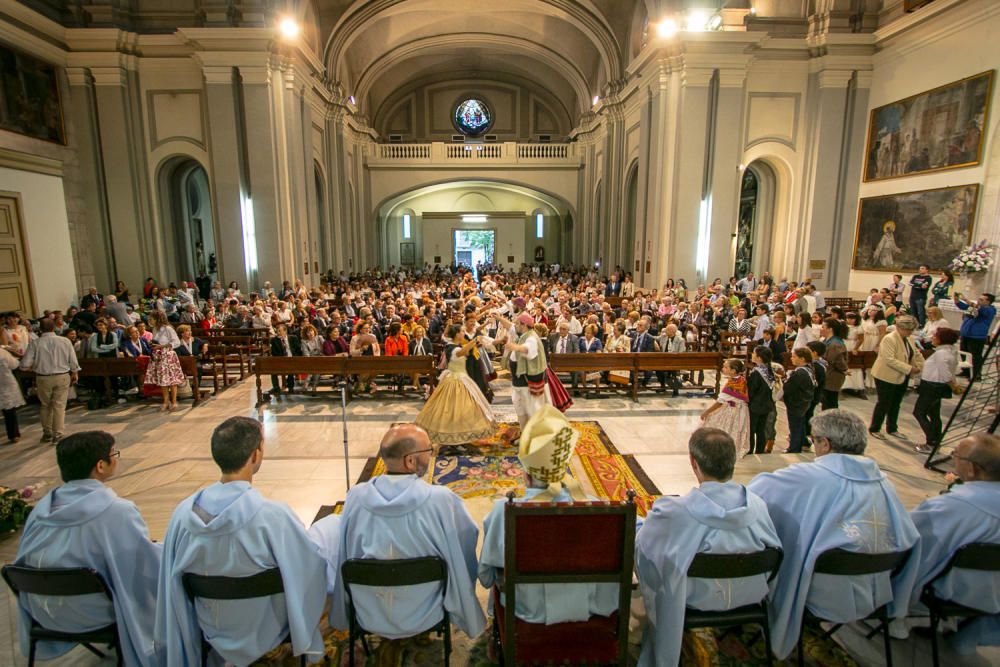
{"x":472,"y":117}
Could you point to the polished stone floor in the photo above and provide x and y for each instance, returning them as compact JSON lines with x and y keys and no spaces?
{"x":165,"y":458}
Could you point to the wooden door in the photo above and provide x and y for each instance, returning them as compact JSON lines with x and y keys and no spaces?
{"x":15,"y":280}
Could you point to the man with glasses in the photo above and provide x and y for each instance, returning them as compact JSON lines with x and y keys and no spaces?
{"x":399,"y":515}
{"x":839,"y":501}
{"x":83,"y":523}
{"x":969,"y":512}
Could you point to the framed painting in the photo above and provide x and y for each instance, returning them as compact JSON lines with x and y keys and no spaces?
{"x":902,"y":231}
{"x":407,"y":253}
{"x":939,"y":129}
{"x":29,"y":97}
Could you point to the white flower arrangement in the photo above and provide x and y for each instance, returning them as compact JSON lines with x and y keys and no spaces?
{"x":974,"y":259}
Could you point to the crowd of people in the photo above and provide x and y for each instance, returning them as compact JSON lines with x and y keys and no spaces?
{"x":477,"y":321}
{"x":840,"y":500}
{"x":480,"y":317}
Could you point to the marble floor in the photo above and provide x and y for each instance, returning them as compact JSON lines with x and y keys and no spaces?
{"x":165,"y":458}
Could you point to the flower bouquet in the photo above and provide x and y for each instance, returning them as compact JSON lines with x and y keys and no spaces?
{"x":974,"y":259}
{"x":14,"y":507}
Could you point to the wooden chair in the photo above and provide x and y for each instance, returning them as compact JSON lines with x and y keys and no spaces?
{"x":840,"y":562}
{"x":734,"y":566}
{"x":553,"y":543}
{"x":978,"y":556}
{"x":260,"y":585}
{"x":388,"y":574}
{"x":63,"y":582}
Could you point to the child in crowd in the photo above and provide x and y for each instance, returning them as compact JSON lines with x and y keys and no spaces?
{"x":759,"y":387}
{"x":818,"y":349}
{"x":800,"y":392}
{"x":729,"y":412}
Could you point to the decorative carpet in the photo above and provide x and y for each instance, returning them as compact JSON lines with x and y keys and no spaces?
{"x":481,"y":473}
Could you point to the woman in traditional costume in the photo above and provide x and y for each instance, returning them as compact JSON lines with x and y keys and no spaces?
{"x":457,"y":412}
{"x":730,"y":412}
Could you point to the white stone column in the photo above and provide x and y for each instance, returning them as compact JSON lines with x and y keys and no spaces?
{"x":227,"y":172}
{"x":725,"y":174}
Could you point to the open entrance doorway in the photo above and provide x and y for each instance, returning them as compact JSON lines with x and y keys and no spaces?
{"x":474,"y":247}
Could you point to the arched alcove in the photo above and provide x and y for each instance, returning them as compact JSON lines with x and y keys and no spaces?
{"x":319,"y":183}
{"x":628,"y":251}
{"x":597,"y":251}
{"x":187,"y":212}
{"x":758,"y":202}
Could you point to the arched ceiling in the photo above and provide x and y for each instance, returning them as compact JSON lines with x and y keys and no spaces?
{"x":573,"y":48}
{"x":531,"y":199}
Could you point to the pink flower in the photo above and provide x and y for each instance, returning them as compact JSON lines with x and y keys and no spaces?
{"x":475,"y":472}
{"x":490,"y":474}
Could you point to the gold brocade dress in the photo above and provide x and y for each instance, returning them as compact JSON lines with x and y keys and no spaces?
{"x":457,"y":411}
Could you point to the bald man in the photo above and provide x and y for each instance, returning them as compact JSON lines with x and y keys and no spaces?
{"x":969,"y":512}
{"x":399,"y":515}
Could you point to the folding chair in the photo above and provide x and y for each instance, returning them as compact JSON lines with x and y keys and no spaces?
{"x":840,"y":562}
{"x":734,"y":566}
{"x":63,"y":582}
{"x":391,"y":573}
{"x":979,"y":556}
{"x":260,"y":585}
{"x":554,"y":543}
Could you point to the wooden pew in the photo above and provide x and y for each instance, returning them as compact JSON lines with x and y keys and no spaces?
{"x":343,"y":366}
{"x":678,"y":361}
{"x":190,"y":367}
{"x":578,"y":362}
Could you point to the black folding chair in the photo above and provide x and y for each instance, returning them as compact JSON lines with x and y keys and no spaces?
{"x":840,"y":562}
{"x":981,"y":556}
{"x":391,"y":573}
{"x":63,"y":582}
{"x":260,"y":585}
{"x":734,"y":566}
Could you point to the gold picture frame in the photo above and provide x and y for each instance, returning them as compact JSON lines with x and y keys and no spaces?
{"x":935,"y":130}
{"x":900,"y":232}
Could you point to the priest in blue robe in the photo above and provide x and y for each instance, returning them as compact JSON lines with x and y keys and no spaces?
{"x":545,"y":461}
{"x":720,"y":517}
{"x":399,"y":515}
{"x":839,"y":501}
{"x":84,"y":524}
{"x":969,"y":512}
{"x":229,"y":529}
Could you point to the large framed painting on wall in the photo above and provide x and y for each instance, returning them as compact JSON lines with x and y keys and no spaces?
{"x":407,"y":253}
{"x":900,"y":232}
{"x":939,"y":129}
{"x":29,"y":97}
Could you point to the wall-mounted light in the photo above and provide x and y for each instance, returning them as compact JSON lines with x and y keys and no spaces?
{"x":666,"y":28}
{"x":289,"y":28}
{"x":351,"y":100}
{"x":476,"y":217}
{"x":741,"y":167}
{"x":597,"y":98}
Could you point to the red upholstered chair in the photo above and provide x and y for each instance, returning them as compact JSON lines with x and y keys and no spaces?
{"x":550,"y":543}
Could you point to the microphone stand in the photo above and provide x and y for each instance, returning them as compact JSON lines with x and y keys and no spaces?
{"x":343,"y":417}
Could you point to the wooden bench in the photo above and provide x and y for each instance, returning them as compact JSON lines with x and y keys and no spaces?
{"x":115,"y":367}
{"x":638,"y":362}
{"x":343,"y":366}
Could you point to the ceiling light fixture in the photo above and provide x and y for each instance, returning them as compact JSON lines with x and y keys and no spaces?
{"x":289,"y":28}
{"x":474,"y":217}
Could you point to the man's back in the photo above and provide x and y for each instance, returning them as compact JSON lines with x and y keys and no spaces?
{"x":84,"y":524}
{"x":401,"y":516}
{"x":231,"y":530}
{"x":838,"y":501}
{"x":718,"y":518}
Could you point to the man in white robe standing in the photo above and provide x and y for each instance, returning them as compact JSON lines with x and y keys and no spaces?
{"x":527,"y":370}
{"x":399,"y":515}
{"x":84,"y":524}
{"x":228,"y":529}
{"x":839,"y":501}
{"x":969,"y":512}
{"x":547,"y":444}
{"x":719,"y":517}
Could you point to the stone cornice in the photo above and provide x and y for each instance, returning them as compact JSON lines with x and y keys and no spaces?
{"x":26,"y":162}
{"x":29,"y":31}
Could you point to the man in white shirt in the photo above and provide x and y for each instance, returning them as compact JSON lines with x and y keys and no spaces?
{"x":53,"y":360}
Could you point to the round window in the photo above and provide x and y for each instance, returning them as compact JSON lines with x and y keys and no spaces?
{"x":472,"y":117}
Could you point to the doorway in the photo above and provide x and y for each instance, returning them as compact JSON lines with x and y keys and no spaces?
{"x":474,"y":247}
{"x":15,"y":280}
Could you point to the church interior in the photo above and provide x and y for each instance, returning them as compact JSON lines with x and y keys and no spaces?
{"x":379,"y":163}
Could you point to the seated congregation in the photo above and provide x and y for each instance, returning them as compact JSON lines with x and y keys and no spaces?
{"x":237,"y":574}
